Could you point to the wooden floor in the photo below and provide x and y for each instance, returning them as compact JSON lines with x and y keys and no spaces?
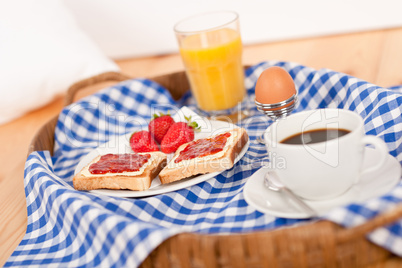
{"x":374,"y":56}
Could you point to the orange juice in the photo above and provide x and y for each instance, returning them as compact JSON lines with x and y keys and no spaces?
{"x":214,"y":68}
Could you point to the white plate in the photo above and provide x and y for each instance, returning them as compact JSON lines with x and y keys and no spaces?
{"x":370,"y":185}
{"x":121,"y":145}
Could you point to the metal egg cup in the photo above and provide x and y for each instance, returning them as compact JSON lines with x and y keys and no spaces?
{"x":274,"y":110}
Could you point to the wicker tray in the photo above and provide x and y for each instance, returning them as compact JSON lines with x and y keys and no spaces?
{"x":318,"y":244}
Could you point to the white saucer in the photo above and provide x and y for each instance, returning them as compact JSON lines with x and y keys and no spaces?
{"x":370,"y":185}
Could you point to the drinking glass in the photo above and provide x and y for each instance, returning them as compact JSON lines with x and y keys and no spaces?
{"x":211,"y":49}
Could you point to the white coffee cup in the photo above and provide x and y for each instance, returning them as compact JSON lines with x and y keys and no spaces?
{"x":325,"y":169}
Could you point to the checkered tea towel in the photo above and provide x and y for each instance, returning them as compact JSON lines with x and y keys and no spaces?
{"x":76,"y":228}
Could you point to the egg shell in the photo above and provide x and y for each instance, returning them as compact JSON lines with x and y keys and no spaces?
{"x":274,"y":85}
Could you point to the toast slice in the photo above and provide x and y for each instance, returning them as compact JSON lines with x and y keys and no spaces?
{"x":137,"y":180}
{"x":218,"y":161}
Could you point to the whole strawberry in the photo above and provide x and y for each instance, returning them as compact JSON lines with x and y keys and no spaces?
{"x":178,"y":134}
{"x":142,"y":141}
{"x":159,"y":126}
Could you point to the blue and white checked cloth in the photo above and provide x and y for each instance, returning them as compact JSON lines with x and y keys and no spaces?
{"x":71,"y":228}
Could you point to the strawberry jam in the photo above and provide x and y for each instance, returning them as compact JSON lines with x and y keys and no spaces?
{"x":117,"y":163}
{"x":203,"y":147}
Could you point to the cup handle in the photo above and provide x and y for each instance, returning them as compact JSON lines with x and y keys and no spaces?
{"x":380,"y":147}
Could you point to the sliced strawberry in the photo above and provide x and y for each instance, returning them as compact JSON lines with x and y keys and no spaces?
{"x":178,"y":134}
{"x":142,"y":141}
{"x":159,"y":126}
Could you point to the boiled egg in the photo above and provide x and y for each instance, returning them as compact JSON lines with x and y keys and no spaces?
{"x":274,"y":85}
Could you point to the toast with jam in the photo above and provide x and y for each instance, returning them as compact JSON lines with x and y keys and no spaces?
{"x":132,"y":171}
{"x":201,"y":156}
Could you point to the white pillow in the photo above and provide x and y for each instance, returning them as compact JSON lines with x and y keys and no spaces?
{"x":42,"y":53}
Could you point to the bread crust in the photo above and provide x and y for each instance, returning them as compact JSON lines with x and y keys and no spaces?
{"x":173,"y":172}
{"x":117,"y":182}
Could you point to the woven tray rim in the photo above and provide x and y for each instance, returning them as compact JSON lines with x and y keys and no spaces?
{"x":332,"y":239}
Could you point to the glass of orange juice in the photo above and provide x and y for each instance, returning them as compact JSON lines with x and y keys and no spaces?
{"x":211,"y":49}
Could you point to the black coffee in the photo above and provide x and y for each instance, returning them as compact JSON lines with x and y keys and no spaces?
{"x":315,"y":136}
